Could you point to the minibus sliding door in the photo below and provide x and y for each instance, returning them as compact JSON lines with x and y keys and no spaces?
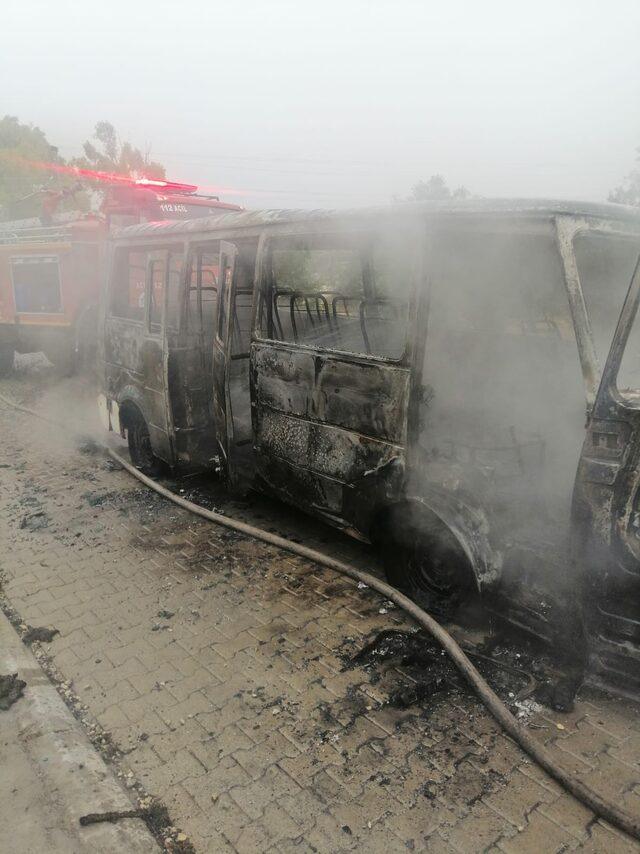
{"x":328,"y":423}
{"x":231,"y":395}
{"x":191,"y":310}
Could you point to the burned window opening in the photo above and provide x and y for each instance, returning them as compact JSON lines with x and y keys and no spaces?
{"x":605,"y":263}
{"x":330,"y":294}
{"x":201,"y":297}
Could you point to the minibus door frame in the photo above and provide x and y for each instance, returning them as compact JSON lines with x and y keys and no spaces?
{"x":223,"y":416}
{"x":608,"y":474}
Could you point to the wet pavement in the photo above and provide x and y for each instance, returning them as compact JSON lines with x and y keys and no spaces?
{"x":268,"y":704}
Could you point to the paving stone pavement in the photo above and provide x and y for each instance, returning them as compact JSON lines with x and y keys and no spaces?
{"x":216,"y":663}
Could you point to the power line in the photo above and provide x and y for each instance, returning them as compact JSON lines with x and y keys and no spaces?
{"x":268,"y":170}
{"x":252,"y":158}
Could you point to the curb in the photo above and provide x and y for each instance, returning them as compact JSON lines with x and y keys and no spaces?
{"x":59,"y":775}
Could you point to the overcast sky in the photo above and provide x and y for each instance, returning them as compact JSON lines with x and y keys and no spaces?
{"x":339,"y":102}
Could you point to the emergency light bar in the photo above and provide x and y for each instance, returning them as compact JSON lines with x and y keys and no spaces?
{"x":118,"y":181}
{"x":172,"y":186}
{"x":112,"y":178}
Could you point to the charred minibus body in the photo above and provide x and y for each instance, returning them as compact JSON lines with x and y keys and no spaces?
{"x":418,"y":376}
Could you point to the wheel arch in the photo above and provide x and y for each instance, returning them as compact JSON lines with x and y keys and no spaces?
{"x":130,"y":402}
{"x":468,"y":526}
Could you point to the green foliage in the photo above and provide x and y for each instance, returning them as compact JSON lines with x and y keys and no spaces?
{"x":317,"y":270}
{"x":436,"y":190}
{"x":629,"y":192}
{"x":21,"y":181}
{"x":109,"y":154}
{"x":26,"y":182}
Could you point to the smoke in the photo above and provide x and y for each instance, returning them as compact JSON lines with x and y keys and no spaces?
{"x":505,"y":418}
{"x":68,"y":405}
{"x":508,"y":404}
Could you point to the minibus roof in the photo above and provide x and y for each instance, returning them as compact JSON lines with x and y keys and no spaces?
{"x":495,"y":208}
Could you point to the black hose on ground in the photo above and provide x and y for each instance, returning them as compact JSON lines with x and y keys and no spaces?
{"x":538,"y":752}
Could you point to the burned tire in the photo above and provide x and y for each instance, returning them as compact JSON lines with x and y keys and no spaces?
{"x":423,"y":559}
{"x":7,"y":356}
{"x":140,"y":449}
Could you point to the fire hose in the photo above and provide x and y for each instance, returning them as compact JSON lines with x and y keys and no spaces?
{"x":538,"y":752}
{"x":529,"y":744}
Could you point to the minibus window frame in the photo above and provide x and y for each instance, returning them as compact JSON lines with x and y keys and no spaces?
{"x":114,"y":294}
{"x":194,"y":252}
{"x":363,"y":243}
{"x":155,"y":327}
{"x":172,"y":319}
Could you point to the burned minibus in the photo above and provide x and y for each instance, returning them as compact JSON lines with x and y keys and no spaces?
{"x":419,"y":376}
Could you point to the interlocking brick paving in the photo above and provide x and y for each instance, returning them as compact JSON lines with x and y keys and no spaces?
{"x":217,"y":664}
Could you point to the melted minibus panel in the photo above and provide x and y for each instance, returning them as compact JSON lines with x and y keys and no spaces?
{"x":418,"y":377}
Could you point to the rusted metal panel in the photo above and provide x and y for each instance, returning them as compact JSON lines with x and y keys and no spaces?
{"x":368,"y":398}
{"x":323,"y":423}
{"x":374,"y":405}
{"x":340,"y":454}
{"x":302,"y":488}
{"x":122,"y":348}
{"x":283,"y":379}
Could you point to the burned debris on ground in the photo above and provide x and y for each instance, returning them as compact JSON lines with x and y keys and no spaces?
{"x":516,"y":669}
{"x":11,"y":689}
{"x":40,"y":634}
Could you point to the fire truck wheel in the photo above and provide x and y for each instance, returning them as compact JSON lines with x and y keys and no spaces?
{"x":140,"y":449}
{"x":423,"y":559}
{"x":63,"y":360}
{"x":86,"y":341}
{"x":6,"y":360}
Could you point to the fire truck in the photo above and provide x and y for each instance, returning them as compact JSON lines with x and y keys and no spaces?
{"x":51,"y":267}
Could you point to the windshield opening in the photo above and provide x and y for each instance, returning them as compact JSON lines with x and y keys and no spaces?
{"x":605,"y":265}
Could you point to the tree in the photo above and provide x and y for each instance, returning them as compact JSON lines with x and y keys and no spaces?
{"x":436,"y":189}
{"x":36,"y":181}
{"x":112,"y":155}
{"x":629,"y":192}
{"x":24,"y":180}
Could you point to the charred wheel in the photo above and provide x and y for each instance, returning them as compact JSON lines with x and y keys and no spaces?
{"x":62,"y":357}
{"x":424,"y":560}
{"x":140,"y":449}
